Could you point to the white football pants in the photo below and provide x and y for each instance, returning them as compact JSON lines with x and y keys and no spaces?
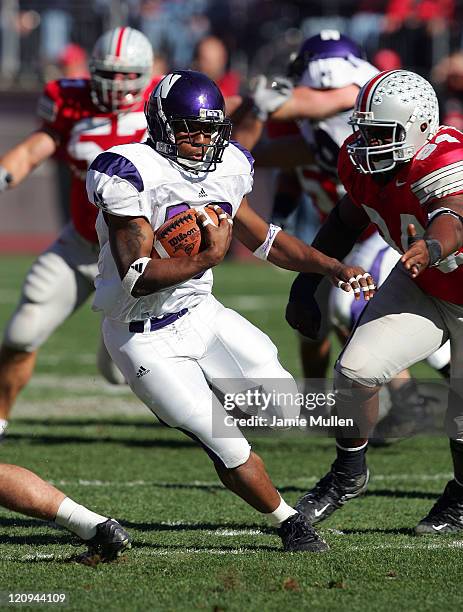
{"x":171,"y":370}
{"x":376,"y":256}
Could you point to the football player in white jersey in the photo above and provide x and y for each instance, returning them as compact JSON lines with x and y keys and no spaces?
{"x":163,"y":328}
{"x":23,"y":491}
{"x":328,"y":72}
{"x":79,"y":119}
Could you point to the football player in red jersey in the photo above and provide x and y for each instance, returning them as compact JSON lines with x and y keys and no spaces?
{"x":80,"y":118}
{"x":327,"y":73}
{"x":403,"y":173}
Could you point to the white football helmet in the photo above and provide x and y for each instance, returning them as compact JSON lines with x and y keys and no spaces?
{"x":121,"y":51}
{"x":396,"y":112}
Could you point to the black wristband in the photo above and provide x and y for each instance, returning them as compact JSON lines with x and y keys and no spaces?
{"x":435,"y":251}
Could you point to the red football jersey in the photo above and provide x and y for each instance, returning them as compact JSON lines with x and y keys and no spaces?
{"x":66,"y":109}
{"x":435,"y":171}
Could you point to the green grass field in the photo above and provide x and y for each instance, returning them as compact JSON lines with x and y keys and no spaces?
{"x":196,"y":546}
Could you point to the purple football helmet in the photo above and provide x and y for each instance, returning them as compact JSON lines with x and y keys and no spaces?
{"x":187,"y":101}
{"x":325,"y":45}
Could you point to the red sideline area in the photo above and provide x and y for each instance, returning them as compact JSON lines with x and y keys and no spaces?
{"x":24,"y":244}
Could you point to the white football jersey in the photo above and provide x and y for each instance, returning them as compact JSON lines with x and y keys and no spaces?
{"x":134,"y":180}
{"x":326,"y":136}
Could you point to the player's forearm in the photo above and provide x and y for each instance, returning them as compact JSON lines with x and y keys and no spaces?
{"x":24,"y":157}
{"x":306,"y":103}
{"x":335,"y":239}
{"x":18,"y":164}
{"x":448,"y":231}
{"x":161,"y":274}
{"x":293,"y":254}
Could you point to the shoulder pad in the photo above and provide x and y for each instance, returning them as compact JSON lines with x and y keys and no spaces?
{"x":247,"y":155}
{"x":437,"y":168}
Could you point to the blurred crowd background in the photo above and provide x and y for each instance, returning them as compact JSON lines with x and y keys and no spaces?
{"x":41,"y":39}
{"x":230,"y":40}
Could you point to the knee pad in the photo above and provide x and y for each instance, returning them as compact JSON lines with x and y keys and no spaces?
{"x":23,"y":331}
{"x":344,"y":387}
{"x":357,"y":363}
{"x":235,"y":456}
{"x":224,"y":452}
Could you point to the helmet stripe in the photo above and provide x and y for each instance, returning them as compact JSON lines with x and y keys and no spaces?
{"x":368,"y":90}
{"x":119,"y":42}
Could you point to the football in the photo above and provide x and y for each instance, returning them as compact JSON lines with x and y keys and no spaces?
{"x":181,"y":235}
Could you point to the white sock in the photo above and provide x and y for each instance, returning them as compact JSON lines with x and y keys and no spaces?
{"x":78,"y":519}
{"x":3,"y":426}
{"x":280,"y":515}
{"x":352,"y":450}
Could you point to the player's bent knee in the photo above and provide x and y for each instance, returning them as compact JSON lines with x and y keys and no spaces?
{"x":359,"y":366}
{"x":24,"y":332}
{"x":237,"y":456}
{"x":348,"y":389}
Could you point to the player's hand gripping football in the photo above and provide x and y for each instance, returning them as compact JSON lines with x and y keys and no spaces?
{"x":217,"y":239}
{"x":354,"y":278}
{"x":416,"y":259}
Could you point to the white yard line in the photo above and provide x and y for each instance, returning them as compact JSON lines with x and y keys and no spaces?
{"x":165,"y":552}
{"x":215,"y":483}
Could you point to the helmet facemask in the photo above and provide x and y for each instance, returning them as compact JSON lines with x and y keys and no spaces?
{"x":210,"y":153}
{"x":117,"y":94}
{"x":379,"y":146}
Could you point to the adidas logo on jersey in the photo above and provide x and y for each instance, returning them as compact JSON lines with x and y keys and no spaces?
{"x":202,"y":194}
{"x":142,"y":371}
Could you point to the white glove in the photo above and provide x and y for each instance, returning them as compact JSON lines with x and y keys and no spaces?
{"x":268,"y":98}
{"x":5,"y":179}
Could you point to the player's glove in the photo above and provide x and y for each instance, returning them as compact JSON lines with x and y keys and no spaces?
{"x":269,"y":96}
{"x":302,"y":311}
{"x":5,"y":179}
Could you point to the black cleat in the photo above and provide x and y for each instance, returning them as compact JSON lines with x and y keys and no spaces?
{"x":110,"y":541}
{"x":330,"y":493}
{"x":446,"y":516}
{"x":409,"y":414}
{"x":298,"y":535}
